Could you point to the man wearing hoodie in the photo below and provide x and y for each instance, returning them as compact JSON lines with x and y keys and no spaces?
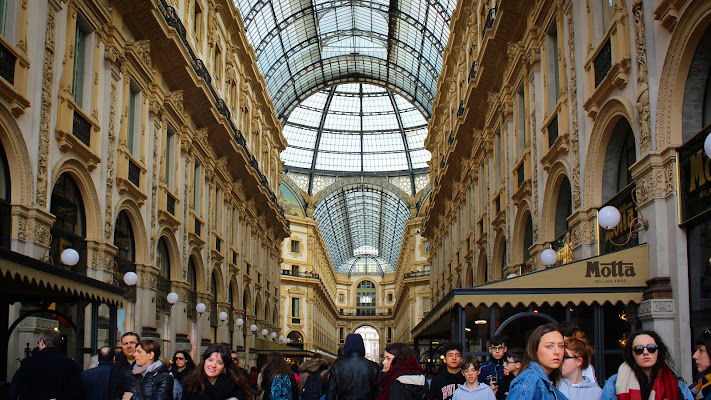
{"x":493,"y":369}
{"x":353,"y":377}
{"x":445,"y":383}
{"x":472,"y":389}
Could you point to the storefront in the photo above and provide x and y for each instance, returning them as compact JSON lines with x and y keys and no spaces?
{"x":36,"y":296}
{"x":695,"y":218}
{"x":600,"y":294}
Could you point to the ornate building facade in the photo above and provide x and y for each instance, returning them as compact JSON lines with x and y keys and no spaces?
{"x":545,"y":112}
{"x":140,"y":135}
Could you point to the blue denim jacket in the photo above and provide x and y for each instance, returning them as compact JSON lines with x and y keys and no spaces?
{"x":534,"y":384}
{"x":609,"y":392}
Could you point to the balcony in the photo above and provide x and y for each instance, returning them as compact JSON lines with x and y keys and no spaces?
{"x":416,"y":274}
{"x":297,"y":274}
{"x":365,"y":312}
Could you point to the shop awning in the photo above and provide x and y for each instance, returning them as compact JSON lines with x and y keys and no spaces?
{"x":24,"y":278}
{"x":615,"y":277}
{"x":265,"y":346}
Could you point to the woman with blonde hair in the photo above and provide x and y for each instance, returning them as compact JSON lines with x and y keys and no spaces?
{"x":577,"y":357}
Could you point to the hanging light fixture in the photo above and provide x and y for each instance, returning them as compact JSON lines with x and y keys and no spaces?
{"x":549,"y":257}
{"x":608,"y":218}
{"x":707,"y":145}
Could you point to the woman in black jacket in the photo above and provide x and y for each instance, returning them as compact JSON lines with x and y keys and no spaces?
{"x":216,"y":378}
{"x":183,"y":365}
{"x":153,"y":381}
{"x":403,"y":378}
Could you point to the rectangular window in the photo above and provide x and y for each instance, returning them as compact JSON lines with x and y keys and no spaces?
{"x":197,"y":186}
{"x":218,"y":66}
{"x":341,"y":334}
{"x":521,"y":122}
{"x":259,"y":277}
{"x":340,"y":297}
{"x":133,"y":133}
{"x":294,"y":246}
{"x":197,"y":21}
{"x":499,"y":157}
{"x":390,"y":334}
{"x":603,"y":19}
{"x":80,"y":58}
{"x":295,"y":270}
{"x":553,"y":72}
{"x":218,"y":211}
{"x":234,"y":226}
{"x":390,"y":297}
{"x":3,"y":16}
{"x":295,"y":311}
{"x":170,"y":158}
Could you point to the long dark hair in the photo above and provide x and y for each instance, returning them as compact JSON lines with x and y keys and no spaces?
{"x":663,"y":357}
{"x":531,"y":353}
{"x":400,"y":351}
{"x":704,"y":339}
{"x":276,"y":365}
{"x":195,"y":382}
{"x":189,"y":363}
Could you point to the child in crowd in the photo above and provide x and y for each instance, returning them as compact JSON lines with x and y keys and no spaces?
{"x":472,"y":389}
{"x":512,"y":366}
{"x":445,"y":383}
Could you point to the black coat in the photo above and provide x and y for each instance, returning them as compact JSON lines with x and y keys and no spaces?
{"x":224,"y":388}
{"x":120,"y":379}
{"x":49,"y":374}
{"x":406,"y":391}
{"x":96,"y":381}
{"x":353,"y":378}
{"x":180,"y":375}
{"x":156,"y":385}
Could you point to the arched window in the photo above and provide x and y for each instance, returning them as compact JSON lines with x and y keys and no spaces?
{"x":563,"y":208}
{"x":125,"y":257}
{"x":5,"y":200}
{"x":296,"y":339}
{"x":527,"y":239}
{"x":163,"y":281}
{"x":191,"y":301}
{"x":69,"y":228}
{"x":619,"y":157}
{"x":365,"y":298}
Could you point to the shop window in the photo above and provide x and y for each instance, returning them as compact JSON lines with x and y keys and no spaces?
{"x":69,"y":228}
{"x":5,"y":199}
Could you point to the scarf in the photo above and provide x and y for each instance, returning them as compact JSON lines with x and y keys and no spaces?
{"x":702,"y":388}
{"x":665,"y":386}
{"x":407,"y":366}
{"x":144,"y":370}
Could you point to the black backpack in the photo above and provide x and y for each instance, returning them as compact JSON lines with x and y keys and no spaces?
{"x":313,"y":389}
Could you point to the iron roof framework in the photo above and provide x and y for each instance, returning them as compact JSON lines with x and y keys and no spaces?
{"x":304,"y":46}
{"x":360,"y":215}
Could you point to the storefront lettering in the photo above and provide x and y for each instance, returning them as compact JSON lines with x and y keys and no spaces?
{"x":700,"y":173}
{"x":611,"y":269}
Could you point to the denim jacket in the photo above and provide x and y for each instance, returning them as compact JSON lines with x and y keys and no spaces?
{"x":610,"y":393}
{"x":534,"y":384}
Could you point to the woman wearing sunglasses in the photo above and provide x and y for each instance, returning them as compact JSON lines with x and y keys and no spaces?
{"x":701,"y":388}
{"x":183,"y":365}
{"x":646,"y":373}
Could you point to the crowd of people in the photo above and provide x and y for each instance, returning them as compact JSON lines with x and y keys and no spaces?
{"x":555,"y":365}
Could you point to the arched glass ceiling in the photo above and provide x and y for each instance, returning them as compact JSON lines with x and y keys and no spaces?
{"x":303,"y":46}
{"x":363,"y":227}
{"x":354,"y":129}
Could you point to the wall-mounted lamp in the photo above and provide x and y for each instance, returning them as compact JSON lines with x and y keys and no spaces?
{"x":240,"y":323}
{"x":707,"y":145}
{"x":609,"y":217}
{"x":172,"y":298}
{"x":130,"y":279}
{"x":200,"y":308}
{"x":253,"y":328}
{"x":222,"y":316}
{"x":69,"y":257}
{"x":265,"y":332}
{"x":281,"y":338}
{"x":549,"y":257}
{"x":273,"y":335}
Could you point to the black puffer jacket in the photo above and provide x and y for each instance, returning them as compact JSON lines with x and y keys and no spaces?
{"x":156,"y":385}
{"x":353,"y":378}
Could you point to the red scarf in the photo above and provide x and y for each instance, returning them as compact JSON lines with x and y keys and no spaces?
{"x":665,"y":386}
{"x":408,"y":366}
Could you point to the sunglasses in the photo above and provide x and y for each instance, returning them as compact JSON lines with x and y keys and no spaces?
{"x":639,"y":349}
{"x":180,"y":358}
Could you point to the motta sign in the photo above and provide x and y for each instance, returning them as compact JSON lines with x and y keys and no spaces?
{"x":612,"y":269}
{"x":694,"y":179}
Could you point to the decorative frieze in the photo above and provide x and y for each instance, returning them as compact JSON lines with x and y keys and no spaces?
{"x":574,"y":134}
{"x":108,"y":222}
{"x":642,"y":105}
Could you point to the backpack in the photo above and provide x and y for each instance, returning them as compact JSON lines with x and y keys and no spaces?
{"x":313,"y":389}
{"x":281,"y":388}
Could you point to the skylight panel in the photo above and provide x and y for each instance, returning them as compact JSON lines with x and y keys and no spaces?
{"x":297,"y":157}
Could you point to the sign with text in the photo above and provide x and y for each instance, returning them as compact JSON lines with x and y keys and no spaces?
{"x":694,"y":178}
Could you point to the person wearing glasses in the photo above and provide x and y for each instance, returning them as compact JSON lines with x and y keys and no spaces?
{"x":493,"y":369}
{"x":578,"y":355}
{"x":183,"y":365}
{"x":646,"y":373}
{"x":512,"y":367}
{"x":540,"y":370}
{"x":701,"y":388}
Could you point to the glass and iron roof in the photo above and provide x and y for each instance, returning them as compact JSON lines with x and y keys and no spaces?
{"x":363,"y":227}
{"x":303,"y":46}
{"x":354,"y":129}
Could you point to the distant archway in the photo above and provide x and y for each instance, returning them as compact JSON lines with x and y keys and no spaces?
{"x":371,"y":339}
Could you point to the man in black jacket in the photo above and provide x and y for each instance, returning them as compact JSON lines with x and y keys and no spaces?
{"x":446,"y":382}
{"x":121,"y":379}
{"x":49,"y":374}
{"x":96,"y":380}
{"x":353,"y":378}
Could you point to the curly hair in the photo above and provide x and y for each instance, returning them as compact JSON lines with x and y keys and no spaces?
{"x":663,"y":357}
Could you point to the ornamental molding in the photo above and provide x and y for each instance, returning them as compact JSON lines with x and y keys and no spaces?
{"x":656,"y":309}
